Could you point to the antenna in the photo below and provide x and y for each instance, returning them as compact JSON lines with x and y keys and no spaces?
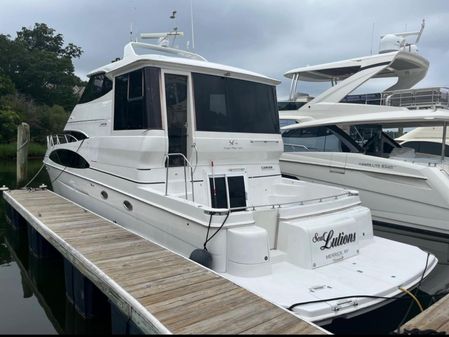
{"x":191,"y":25}
{"x":423,"y":23}
{"x":131,"y":32}
{"x":372,"y":39}
{"x":175,"y":29}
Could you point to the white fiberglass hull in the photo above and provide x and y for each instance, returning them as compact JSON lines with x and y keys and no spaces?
{"x":397,"y":192}
{"x":372,"y":271}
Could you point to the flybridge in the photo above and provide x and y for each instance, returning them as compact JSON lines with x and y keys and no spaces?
{"x":396,"y":58}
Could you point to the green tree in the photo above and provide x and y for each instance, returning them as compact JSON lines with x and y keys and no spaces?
{"x":8,"y":124}
{"x":6,"y":86}
{"x":40,"y":66}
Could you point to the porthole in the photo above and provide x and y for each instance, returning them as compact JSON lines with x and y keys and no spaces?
{"x":104,"y":194}
{"x":128,"y":205}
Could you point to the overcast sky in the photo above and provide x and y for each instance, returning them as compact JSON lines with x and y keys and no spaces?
{"x":266,"y":36}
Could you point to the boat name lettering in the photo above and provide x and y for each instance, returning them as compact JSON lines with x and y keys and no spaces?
{"x":377,"y":165}
{"x":330,"y":241}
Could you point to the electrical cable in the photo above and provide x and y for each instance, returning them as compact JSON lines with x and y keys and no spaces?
{"x":413,"y":297}
{"x":416,"y":291}
{"x":216,"y":232}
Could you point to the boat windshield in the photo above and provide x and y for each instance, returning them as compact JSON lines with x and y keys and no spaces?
{"x":319,"y":139}
{"x":373,"y":140}
{"x":226,"y":104}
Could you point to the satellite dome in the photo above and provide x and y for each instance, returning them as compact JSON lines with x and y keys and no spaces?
{"x":390,"y":42}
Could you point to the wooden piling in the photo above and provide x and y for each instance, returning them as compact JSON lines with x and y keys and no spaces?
{"x":23,"y":139}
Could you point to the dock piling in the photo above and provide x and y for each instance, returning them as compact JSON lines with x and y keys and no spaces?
{"x":23,"y":139}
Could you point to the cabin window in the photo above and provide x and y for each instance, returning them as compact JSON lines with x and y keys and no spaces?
{"x":98,"y":86}
{"x":68,"y":158}
{"x":227,"y":192}
{"x":317,"y":139}
{"x":229,"y":105}
{"x":137,"y":100}
{"x":77,"y":134}
{"x":287,"y":122}
{"x":426,"y":147}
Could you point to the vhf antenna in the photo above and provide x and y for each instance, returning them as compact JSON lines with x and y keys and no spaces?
{"x":175,"y":29}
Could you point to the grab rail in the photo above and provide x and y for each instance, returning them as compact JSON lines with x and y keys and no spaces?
{"x":209,"y":210}
{"x":186,"y":162}
{"x":53,"y":140}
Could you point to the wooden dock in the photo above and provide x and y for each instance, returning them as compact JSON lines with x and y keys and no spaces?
{"x":160,"y":291}
{"x":434,"y":318}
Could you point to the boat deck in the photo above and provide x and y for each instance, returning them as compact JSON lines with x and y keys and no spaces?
{"x":159,"y":290}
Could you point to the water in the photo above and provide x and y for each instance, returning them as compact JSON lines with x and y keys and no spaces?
{"x":33,"y":298}
{"x":32,"y":291}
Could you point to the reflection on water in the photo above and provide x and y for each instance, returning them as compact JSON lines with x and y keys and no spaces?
{"x":34,"y":288}
{"x":35,"y":295}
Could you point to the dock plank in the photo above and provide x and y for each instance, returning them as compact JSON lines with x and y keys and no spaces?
{"x":161,"y":291}
{"x":434,"y":318}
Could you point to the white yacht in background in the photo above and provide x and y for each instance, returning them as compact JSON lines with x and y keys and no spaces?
{"x":339,"y":138}
{"x":168,"y":147}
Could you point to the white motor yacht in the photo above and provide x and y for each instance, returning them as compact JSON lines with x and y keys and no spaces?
{"x":340,"y":138}
{"x":185,"y":153}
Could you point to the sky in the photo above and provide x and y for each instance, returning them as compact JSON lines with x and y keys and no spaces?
{"x":266,"y":36}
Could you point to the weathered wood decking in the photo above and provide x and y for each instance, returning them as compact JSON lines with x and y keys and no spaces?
{"x":436,"y":317}
{"x":162,"y":292}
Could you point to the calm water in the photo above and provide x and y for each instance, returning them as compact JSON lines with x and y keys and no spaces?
{"x":32,"y":293}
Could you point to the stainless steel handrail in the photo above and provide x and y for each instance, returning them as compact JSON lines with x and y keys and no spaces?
{"x":278,"y":205}
{"x":186,"y":161}
{"x":65,"y":136}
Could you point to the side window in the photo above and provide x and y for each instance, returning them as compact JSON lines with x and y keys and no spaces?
{"x":137,"y":100}
{"x":98,"y":86}
{"x":318,"y":139}
{"x":68,"y":158}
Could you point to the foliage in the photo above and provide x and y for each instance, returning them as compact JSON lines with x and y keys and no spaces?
{"x":9,"y":151}
{"x":8,"y":121}
{"x":37,"y":81}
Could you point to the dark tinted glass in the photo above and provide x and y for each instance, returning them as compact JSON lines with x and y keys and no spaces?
{"x":231,"y":105}
{"x":135,"y":85}
{"x":68,"y":158}
{"x":152,"y":97}
{"x":237,"y":196}
{"x":426,"y":147}
{"x":319,"y":139}
{"x":218,"y":192}
{"x":135,"y":107}
{"x":98,"y":86}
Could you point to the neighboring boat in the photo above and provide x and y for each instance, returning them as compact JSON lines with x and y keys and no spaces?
{"x":400,"y":185}
{"x":169,"y":147}
{"x":341,"y":138}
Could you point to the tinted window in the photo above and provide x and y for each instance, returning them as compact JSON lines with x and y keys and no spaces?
{"x":231,"y":105}
{"x":237,"y":195}
{"x":78,"y":135}
{"x":218,"y":192}
{"x":426,"y":147}
{"x":321,"y":139}
{"x":68,"y":158}
{"x":98,"y":86}
{"x":137,"y":100}
{"x":286,"y":122}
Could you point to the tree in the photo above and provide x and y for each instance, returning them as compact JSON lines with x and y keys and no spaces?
{"x":39,"y":65}
{"x":8,"y":124}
